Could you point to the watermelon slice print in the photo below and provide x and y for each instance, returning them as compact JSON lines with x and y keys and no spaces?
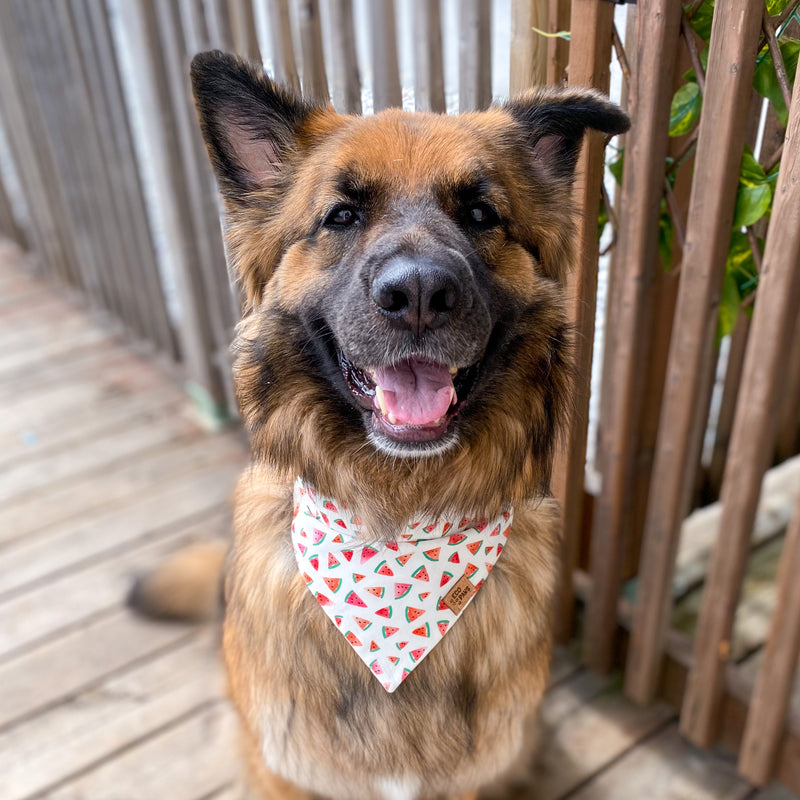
{"x":354,"y":600}
{"x":421,"y":574}
{"x":405,"y":674}
{"x":362,"y":623}
{"x":317,"y":536}
{"x":348,"y":554}
{"x":307,"y":578}
{"x":333,"y":561}
{"x":367,"y":553}
{"x":495,"y":531}
{"x":401,"y":645}
{"x":295,"y":511}
{"x":377,"y":591}
{"x":446,"y":578}
{"x":389,"y":630}
{"x":470,"y":570}
{"x":403,"y":560}
{"x":324,"y":518}
{"x":392,"y":546}
{"x":506,"y":515}
{"x":302,"y":548}
{"x":384,"y":612}
{"x":376,"y":667}
{"x":443,"y":625}
{"x":357,"y":578}
{"x":481,"y":526}
{"x":333,"y":584}
{"x":446,"y":528}
{"x":413,"y":614}
{"x":341,"y":523}
{"x":414,"y":525}
{"x":430,"y":528}
{"x":314,"y":561}
{"x":489,"y":549}
{"x":473,"y":547}
{"x":373,"y":646}
{"x":423,"y":595}
{"x":432,"y":554}
{"x":353,"y":639}
{"x":384,"y":569}
{"x":464,"y":522}
{"x":454,"y":559}
{"x":393,"y":659}
{"x":328,"y":506}
{"x":337,"y":539}
{"x":489,"y":568}
{"x":338,"y":620}
{"x":322,"y":600}
{"x":442,"y":606}
{"x":456,"y":538}
{"x":423,"y":630}
{"x":401,"y":590}
{"x":416,"y":655}
{"x":499,"y":549}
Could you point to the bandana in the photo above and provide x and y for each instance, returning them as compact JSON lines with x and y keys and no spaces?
{"x":392,"y":601}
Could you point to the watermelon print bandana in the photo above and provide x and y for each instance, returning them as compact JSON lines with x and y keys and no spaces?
{"x":392,"y":601}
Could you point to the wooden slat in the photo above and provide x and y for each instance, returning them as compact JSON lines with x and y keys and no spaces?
{"x":637,"y":260}
{"x":752,"y":439}
{"x":158,"y":129}
{"x":590,"y":55}
{"x":315,"y":80}
{"x":219,"y":24}
{"x":386,"y":91}
{"x":728,"y":83}
{"x":8,"y":221}
{"x":788,"y":416}
{"x":284,"y":64}
{"x":346,"y":78}
{"x":105,"y":720}
{"x":428,"y":57}
{"x":475,"y":55}
{"x":773,"y":687}
{"x":558,"y":49}
{"x":528,"y":48}
{"x":243,"y":29}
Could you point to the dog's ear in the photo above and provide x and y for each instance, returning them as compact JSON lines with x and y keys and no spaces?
{"x":249,"y":123}
{"x":554,"y":122}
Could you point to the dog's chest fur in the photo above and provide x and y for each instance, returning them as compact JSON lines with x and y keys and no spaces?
{"x":324,"y":722}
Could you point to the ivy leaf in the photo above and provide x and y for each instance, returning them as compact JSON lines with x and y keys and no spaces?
{"x":775,"y":7}
{"x":729,"y":304}
{"x":741,"y":265}
{"x":701,"y":21}
{"x":765,"y":80}
{"x":666,"y":236}
{"x":751,"y":173}
{"x":752,"y":202}
{"x":685,"y":109}
{"x":615,"y":167}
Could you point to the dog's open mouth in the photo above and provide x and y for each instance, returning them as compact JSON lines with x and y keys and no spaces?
{"x":413,"y":400}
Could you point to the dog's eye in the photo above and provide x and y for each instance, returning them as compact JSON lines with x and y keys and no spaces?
{"x":341,"y":217}
{"x":482,"y":215}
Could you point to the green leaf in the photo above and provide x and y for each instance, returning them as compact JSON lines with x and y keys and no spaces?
{"x":701,"y":21}
{"x":615,"y":167}
{"x":740,"y":264}
{"x":751,"y":173}
{"x":752,"y":202}
{"x":685,"y":110}
{"x":729,"y":303}
{"x":666,"y":236}
{"x":775,"y":7}
{"x":602,"y":218}
{"x":765,"y":80}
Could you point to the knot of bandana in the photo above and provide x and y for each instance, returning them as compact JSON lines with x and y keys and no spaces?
{"x":392,"y":601}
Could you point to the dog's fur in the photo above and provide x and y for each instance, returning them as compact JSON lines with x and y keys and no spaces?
{"x":315,"y":719}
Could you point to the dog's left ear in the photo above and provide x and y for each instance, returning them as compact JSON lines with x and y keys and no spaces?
{"x":554,"y":121}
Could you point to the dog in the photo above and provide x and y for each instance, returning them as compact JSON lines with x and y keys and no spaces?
{"x":403,"y":370}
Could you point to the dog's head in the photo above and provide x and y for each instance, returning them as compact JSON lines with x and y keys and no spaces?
{"x":403,"y":276}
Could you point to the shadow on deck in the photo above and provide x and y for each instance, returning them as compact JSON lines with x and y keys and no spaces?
{"x":103,"y":471}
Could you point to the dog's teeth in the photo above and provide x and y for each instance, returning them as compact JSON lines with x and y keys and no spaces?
{"x":391,"y":417}
{"x":452,"y":370}
{"x":453,"y":396}
{"x":381,"y":400}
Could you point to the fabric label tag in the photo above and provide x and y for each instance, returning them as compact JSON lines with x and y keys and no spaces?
{"x":461,"y":593}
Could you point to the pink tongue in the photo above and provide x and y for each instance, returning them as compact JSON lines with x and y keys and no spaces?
{"x":415,"y":392}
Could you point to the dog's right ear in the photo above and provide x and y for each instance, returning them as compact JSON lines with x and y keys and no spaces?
{"x":249,"y":123}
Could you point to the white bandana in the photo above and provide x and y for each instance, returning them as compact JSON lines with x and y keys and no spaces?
{"x":392,"y":601}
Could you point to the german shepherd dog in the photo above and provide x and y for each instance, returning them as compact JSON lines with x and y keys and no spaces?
{"x":404,"y":353}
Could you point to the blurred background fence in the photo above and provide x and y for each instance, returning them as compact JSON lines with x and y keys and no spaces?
{"x":694,"y":345}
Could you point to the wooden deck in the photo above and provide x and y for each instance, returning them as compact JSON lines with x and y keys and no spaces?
{"x":103,"y":471}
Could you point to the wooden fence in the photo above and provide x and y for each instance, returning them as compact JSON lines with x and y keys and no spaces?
{"x":117,"y":202}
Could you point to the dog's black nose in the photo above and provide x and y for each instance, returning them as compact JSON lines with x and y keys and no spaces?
{"x":416,"y":293}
